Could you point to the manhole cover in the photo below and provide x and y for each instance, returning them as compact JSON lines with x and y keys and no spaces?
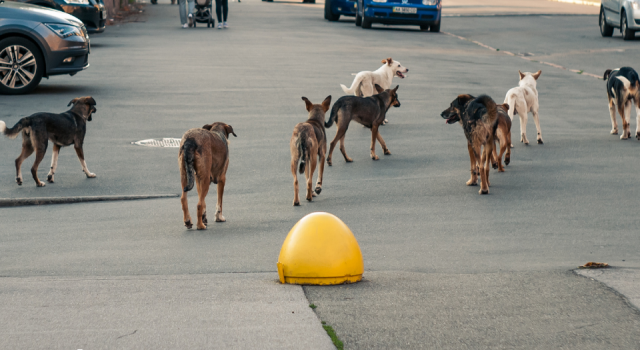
{"x":163,"y":142}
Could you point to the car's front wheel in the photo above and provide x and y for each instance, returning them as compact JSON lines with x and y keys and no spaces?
{"x":366,"y":21}
{"x":627,"y":34}
{"x":435,"y":28}
{"x":358,"y":20}
{"x":21,"y":66}
{"x":605,"y":28}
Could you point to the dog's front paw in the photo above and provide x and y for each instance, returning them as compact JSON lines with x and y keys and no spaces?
{"x":483,"y":191}
{"x":637,"y":135}
{"x":318,"y":189}
{"x":19,"y":181}
{"x":188,"y":224}
{"x":472,"y":182}
{"x":494,"y":165}
{"x":614,"y":131}
{"x":387,"y":152}
{"x":40,"y":184}
{"x":540,"y":142}
{"x":204,"y":218}
{"x":202,"y":227}
{"x":91,"y":175}
{"x":220,"y":218}
{"x":375,"y":157}
{"x":348,"y":160}
{"x":296,"y":203}
{"x":507,"y":161}
{"x":50,"y":178}
{"x":623,"y":136}
{"x":329,"y":162}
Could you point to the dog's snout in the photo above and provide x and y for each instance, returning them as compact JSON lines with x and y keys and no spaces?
{"x":407,"y":70}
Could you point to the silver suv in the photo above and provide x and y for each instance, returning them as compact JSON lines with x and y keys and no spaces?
{"x":623,"y":14}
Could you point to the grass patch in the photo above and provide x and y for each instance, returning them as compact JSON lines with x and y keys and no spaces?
{"x":580,"y":71}
{"x":332,"y":334}
{"x":313,"y":306}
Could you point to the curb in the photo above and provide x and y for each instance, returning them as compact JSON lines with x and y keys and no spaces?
{"x":517,"y":15}
{"x":18,"y":202}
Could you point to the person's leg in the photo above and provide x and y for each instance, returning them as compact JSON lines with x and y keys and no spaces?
{"x":219,"y":10}
{"x":192,"y":6}
{"x":183,"y":12}
{"x":225,"y":9}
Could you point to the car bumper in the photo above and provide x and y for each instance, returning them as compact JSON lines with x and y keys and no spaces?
{"x":384,"y":14}
{"x":634,"y":22}
{"x":74,"y":49}
{"x":92,"y":16}
{"x":344,"y":8}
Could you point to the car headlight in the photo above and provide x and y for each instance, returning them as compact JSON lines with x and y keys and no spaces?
{"x":64,"y":30}
{"x":77,"y":2}
{"x":379,"y":0}
{"x":429,"y":2}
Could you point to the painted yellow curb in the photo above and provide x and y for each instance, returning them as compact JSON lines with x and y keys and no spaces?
{"x":320,"y":249}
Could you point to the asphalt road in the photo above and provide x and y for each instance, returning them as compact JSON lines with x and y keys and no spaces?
{"x":558,"y":205}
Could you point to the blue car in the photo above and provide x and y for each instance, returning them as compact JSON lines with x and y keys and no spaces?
{"x":333,"y":9}
{"x":425,"y":13}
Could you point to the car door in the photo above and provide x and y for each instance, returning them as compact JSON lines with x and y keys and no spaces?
{"x":612,"y":11}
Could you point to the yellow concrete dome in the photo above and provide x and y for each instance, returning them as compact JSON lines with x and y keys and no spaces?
{"x":320,"y":249}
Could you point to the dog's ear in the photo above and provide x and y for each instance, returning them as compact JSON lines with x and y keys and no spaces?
{"x":73,"y":102}
{"x":396,"y":89}
{"x":308,"y":103}
{"x":606,"y":74}
{"x":379,"y":89}
{"x":208,"y":127}
{"x":326,"y":103}
{"x":90,"y":100}
{"x":229,"y":130}
{"x":389,"y":60}
{"x":536,"y":75}
{"x":505,"y":106}
{"x":521,"y":75}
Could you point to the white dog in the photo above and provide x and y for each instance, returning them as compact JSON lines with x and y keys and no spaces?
{"x":364,"y":83}
{"x":524,"y":99}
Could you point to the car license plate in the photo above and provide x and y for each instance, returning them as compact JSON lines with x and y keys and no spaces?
{"x":405,"y":10}
{"x":104,"y":14}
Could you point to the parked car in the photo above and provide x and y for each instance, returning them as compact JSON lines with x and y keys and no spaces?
{"x":623,"y":14}
{"x":91,"y":12}
{"x":425,"y":13}
{"x":36,"y":42}
{"x":333,"y":9}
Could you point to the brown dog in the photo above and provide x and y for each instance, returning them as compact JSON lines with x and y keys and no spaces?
{"x":308,"y":141}
{"x":368,"y":111}
{"x":503,"y":136}
{"x":479,"y":119}
{"x":204,"y":151}
{"x":62,"y":129}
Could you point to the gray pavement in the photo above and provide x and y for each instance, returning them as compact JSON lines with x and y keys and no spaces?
{"x":558,"y":206}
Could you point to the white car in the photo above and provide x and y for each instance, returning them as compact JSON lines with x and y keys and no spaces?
{"x":623,"y":14}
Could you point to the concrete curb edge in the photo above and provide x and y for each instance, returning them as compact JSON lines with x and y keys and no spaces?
{"x":17,"y":202}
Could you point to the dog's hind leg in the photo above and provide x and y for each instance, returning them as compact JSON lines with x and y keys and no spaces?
{"x":318,"y":188}
{"x":625,"y":110}
{"x":219,"y":217}
{"x":374,"y":136}
{"x":344,"y":151}
{"x":507,"y":157}
{"x":54,"y":163}
{"x":484,"y":167}
{"x":495,"y":161}
{"x":521,"y":107}
{"x":637,"y":120}
{"x":294,"y":168}
{"x":203,"y":189}
{"x":473,"y":181}
{"x":612,"y":112}
{"x":40,"y":151}
{"x":536,"y":120}
{"x":27,"y":150}
{"x":384,"y":145}
{"x":309,"y":173}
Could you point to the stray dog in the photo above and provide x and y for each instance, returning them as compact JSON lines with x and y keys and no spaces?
{"x":524,"y":99}
{"x":308,"y":141}
{"x":62,"y":129}
{"x":364,"y":83}
{"x":205,"y":152}
{"x":623,"y":88}
{"x":368,"y":111}
{"x":503,"y":136}
{"x":479,"y":119}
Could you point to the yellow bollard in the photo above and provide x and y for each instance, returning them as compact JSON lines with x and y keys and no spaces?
{"x":320,"y":249}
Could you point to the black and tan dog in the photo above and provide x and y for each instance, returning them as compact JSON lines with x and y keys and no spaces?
{"x":623,"y":89}
{"x":368,"y":111}
{"x":503,"y":137}
{"x":479,"y":119}
{"x":204,"y":158}
{"x":309,"y":145}
{"x":62,"y":129}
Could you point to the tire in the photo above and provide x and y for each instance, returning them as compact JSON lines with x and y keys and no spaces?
{"x":605,"y":29}
{"x":435,"y":28}
{"x":328,"y":14}
{"x":30,"y":69}
{"x":366,"y":21}
{"x":627,"y":34}
{"x":358,"y":20}
{"x":424,"y":27}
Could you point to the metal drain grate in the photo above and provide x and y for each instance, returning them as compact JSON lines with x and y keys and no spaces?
{"x":163,"y":142}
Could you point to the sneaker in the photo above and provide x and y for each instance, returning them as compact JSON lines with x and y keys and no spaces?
{"x":185,"y":26}
{"x":225,"y":25}
{"x":219,"y":25}
{"x":190,"y":20}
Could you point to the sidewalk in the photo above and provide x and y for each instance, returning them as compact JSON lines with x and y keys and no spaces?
{"x":515,"y":7}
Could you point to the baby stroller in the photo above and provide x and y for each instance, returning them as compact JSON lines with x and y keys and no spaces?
{"x":204,"y":10}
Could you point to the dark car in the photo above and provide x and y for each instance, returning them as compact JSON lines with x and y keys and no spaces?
{"x":425,"y":13}
{"x":334,"y":8}
{"x":36,"y":42}
{"x":91,"y":12}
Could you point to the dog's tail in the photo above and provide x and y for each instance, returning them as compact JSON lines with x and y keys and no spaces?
{"x":490,"y":105}
{"x":12,"y":133}
{"x":511,"y":100}
{"x":188,"y":151}
{"x":303,"y":150}
{"x":354,"y":86}
{"x":606,"y":74}
{"x":333,"y":115}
